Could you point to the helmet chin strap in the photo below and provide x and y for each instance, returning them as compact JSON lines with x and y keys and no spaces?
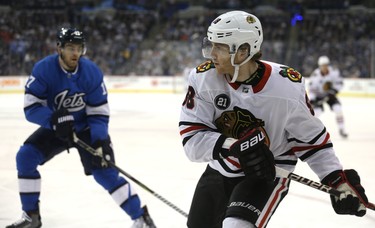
{"x":237,"y":66}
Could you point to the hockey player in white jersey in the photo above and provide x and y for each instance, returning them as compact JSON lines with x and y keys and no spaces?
{"x":325,"y":83}
{"x":244,"y":116}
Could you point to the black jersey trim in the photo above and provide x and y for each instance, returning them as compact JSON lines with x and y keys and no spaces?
{"x":98,"y":115}
{"x":36,"y":104}
{"x":29,"y":177}
{"x":131,"y":197}
{"x":286,"y":162}
{"x":186,"y":139}
{"x":218,"y":148}
{"x":184,"y":123}
{"x":98,"y":104}
{"x":313,"y":151}
{"x":312,"y":141}
{"x":29,"y":193}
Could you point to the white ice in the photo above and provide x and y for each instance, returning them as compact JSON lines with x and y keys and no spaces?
{"x":144,"y":131}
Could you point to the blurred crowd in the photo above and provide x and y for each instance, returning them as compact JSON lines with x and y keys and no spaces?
{"x":345,"y":37}
{"x":136,"y":37}
{"x":112,"y":36}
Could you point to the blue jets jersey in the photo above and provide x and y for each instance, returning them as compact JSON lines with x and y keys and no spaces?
{"x":82,"y":92}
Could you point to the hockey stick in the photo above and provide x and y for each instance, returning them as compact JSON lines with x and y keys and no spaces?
{"x":91,"y":150}
{"x":324,"y":188}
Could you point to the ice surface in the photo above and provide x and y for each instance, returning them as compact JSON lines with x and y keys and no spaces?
{"x":144,"y":131}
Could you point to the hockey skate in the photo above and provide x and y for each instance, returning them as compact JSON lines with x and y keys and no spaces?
{"x":343,"y":134}
{"x":145,"y":221}
{"x":27,"y":221}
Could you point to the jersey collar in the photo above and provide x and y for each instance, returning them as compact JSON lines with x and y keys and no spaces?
{"x":260,"y":85}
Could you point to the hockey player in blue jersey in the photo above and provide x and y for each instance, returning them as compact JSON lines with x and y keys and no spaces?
{"x":65,"y":93}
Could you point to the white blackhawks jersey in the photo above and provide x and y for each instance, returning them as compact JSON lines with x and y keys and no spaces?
{"x":318,"y":81}
{"x":215,"y":109}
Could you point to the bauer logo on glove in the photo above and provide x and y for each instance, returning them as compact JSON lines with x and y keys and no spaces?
{"x":251,"y":142}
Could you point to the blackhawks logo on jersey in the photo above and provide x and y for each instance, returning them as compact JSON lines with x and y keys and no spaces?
{"x":291,"y":74}
{"x":237,"y":122}
{"x":205,"y":66}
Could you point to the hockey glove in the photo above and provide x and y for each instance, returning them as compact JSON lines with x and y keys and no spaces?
{"x":104,"y":152}
{"x":353,"y":198}
{"x":256,"y":159}
{"x":62,"y":123}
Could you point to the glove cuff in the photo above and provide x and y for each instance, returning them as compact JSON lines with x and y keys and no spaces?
{"x":335,"y":179}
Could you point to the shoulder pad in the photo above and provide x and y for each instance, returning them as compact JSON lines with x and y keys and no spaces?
{"x":205,"y":66}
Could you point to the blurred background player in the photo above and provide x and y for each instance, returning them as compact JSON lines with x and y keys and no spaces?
{"x":64,"y":93}
{"x":244,"y":116}
{"x":325,"y":83}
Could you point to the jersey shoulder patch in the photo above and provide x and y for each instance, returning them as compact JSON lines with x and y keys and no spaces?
{"x":290,"y":73}
{"x":203,"y":67}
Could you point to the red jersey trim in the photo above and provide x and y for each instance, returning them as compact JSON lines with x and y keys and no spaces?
{"x":236,"y":164}
{"x":264,"y":80}
{"x":303,"y":148}
{"x":274,"y":202}
{"x":192,"y":128}
{"x":234,"y":85}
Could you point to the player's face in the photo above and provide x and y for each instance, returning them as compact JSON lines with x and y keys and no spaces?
{"x":221,"y":58}
{"x":324,"y":69}
{"x":70,"y":55}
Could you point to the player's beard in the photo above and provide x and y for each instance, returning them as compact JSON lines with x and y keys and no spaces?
{"x":70,"y":64}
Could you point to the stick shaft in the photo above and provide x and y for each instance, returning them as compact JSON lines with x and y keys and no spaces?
{"x":91,"y":150}
{"x":324,"y":188}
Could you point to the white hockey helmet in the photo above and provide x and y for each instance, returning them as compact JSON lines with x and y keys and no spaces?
{"x":323,"y":60}
{"x":235,"y":28}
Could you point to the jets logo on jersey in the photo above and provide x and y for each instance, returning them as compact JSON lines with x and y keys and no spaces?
{"x":237,"y":122}
{"x":205,"y":66}
{"x":291,"y":74}
{"x":222,"y":101}
{"x":73,"y":103}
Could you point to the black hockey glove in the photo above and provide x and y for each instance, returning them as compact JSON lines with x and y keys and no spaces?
{"x":256,"y":159}
{"x":353,"y":199}
{"x":105,"y":152}
{"x":63,"y":123}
